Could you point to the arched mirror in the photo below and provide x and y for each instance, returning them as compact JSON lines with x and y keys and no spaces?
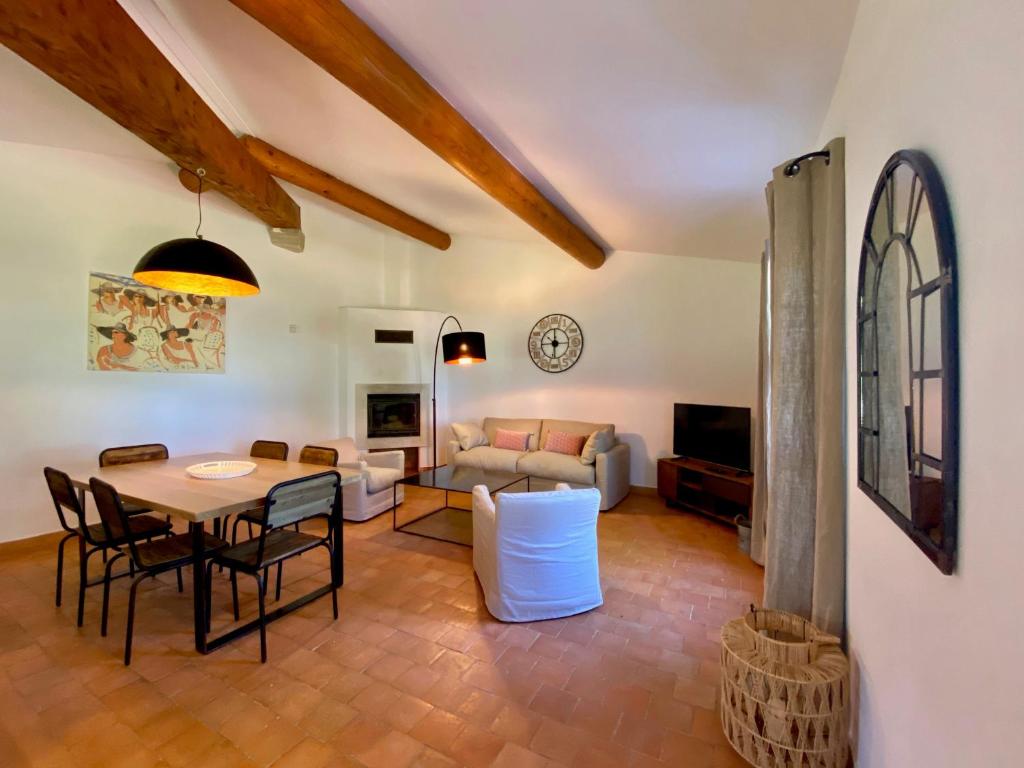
{"x":907,"y":356}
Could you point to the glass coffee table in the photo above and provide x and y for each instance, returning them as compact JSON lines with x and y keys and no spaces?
{"x":448,"y":523}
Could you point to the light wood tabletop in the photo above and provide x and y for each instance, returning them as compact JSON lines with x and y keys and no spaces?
{"x":164,"y":486}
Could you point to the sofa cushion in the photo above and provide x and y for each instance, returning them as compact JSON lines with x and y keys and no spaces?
{"x":379,"y":478}
{"x":564,"y":442}
{"x":512,"y":441}
{"x":491,"y":426}
{"x":584,"y":428}
{"x":469,"y":435}
{"x":602,"y":440}
{"x":486,"y":457}
{"x":556,"y":466}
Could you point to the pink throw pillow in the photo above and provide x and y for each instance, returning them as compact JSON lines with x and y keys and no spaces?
{"x":512,"y":441}
{"x":563,"y":442}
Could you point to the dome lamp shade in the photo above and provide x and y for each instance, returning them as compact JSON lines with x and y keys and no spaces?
{"x":195,"y":265}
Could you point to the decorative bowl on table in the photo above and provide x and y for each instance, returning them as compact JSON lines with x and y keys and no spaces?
{"x":220,"y":470}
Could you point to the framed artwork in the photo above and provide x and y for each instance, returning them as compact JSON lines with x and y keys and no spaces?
{"x":133,"y":327}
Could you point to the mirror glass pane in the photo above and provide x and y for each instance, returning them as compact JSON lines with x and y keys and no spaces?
{"x":893,"y":378}
{"x":923,"y":240}
{"x":868,"y":459}
{"x":904,"y":183}
{"x":931,"y":428}
{"x":867,"y":298}
{"x":932,"y":360}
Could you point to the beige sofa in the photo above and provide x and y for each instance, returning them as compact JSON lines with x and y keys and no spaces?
{"x":609,"y":473}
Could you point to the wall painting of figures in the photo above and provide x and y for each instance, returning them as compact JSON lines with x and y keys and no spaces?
{"x":133,"y":327}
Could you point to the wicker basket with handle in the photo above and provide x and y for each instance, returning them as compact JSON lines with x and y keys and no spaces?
{"x":785,"y":692}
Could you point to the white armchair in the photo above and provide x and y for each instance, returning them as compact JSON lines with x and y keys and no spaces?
{"x":536,"y":553}
{"x":374,"y":493}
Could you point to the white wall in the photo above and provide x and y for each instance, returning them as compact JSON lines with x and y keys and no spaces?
{"x":657,"y":330}
{"x":66,"y":213}
{"x":937,"y":658}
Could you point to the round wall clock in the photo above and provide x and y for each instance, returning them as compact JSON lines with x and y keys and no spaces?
{"x":555,"y":343}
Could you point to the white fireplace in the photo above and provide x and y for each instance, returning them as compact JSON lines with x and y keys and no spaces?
{"x":385,"y":357}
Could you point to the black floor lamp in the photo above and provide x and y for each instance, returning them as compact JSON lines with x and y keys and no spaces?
{"x":460,"y":348}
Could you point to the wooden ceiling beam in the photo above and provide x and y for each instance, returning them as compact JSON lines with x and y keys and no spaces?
{"x":93,"y":48}
{"x":302,"y":174}
{"x":337,"y":40}
{"x":284,"y":166}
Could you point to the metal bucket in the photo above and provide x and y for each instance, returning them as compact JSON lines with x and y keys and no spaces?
{"x":743,"y":533}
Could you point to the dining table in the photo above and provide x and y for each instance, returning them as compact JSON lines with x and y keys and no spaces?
{"x":165,"y":487}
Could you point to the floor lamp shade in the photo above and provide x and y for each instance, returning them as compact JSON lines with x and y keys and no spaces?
{"x":463,"y":348}
{"x":458,"y":348}
{"x":195,"y":265}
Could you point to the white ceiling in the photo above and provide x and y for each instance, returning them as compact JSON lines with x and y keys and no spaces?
{"x":655,"y":123}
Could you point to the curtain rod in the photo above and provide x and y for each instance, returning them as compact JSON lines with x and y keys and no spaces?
{"x":793,"y":168}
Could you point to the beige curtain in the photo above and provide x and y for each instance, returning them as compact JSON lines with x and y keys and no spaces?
{"x":805,"y":498}
{"x":762,"y":410}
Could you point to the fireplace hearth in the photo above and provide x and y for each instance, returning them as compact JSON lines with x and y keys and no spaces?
{"x":393,"y":415}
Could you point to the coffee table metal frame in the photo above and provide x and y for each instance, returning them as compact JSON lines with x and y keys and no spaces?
{"x":510,"y":479}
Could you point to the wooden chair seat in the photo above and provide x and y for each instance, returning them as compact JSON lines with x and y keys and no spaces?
{"x":173,"y":551}
{"x":141,"y":526}
{"x":278,"y":545}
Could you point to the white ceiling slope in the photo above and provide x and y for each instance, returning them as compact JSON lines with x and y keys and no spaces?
{"x":654,"y":123}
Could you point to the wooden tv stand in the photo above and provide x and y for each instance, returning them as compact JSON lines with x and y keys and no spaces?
{"x":719,"y":493}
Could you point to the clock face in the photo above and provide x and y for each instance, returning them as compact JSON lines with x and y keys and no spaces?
{"x":556,"y":343}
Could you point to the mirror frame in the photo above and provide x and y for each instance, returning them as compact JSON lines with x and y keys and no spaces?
{"x":934,"y":192}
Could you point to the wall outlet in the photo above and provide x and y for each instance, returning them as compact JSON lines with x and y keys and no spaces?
{"x":293,"y":328}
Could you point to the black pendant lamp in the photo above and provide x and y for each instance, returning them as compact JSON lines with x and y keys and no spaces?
{"x":195,"y":265}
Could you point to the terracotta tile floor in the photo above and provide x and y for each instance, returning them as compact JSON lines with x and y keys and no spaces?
{"x":414,"y":673}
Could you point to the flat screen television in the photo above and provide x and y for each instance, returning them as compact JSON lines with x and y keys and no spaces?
{"x":719,"y":434}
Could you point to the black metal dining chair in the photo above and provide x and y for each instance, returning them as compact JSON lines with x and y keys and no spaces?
{"x":148,"y":559}
{"x":260,"y":449}
{"x":91,"y":538}
{"x":133,"y":454}
{"x":310,"y":454}
{"x":287,"y":504}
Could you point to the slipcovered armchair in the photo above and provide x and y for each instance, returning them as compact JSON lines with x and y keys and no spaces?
{"x":536,"y":553}
{"x":374,"y":493}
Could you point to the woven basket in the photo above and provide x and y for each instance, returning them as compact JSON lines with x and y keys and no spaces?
{"x":785,"y":692}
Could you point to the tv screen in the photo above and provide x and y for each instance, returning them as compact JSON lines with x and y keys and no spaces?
{"x":718,"y":434}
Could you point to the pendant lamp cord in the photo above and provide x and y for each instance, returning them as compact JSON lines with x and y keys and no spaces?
{"x":200,"y":173}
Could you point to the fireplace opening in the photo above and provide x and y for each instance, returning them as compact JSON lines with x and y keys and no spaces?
{"x":393,"y":415}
